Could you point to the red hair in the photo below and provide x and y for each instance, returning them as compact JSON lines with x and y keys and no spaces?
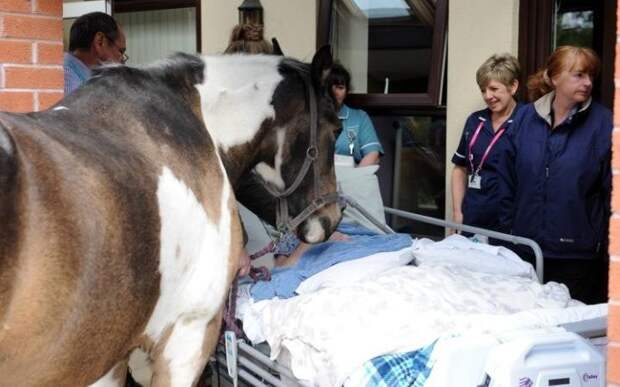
{"x":563,"y":58}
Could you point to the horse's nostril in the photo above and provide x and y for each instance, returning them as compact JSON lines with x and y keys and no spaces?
{"x":313,"y":230}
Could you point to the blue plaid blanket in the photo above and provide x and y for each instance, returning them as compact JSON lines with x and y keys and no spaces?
{"x":410,"y":369}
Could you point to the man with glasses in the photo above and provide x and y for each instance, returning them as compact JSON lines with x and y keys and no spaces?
{"x":95,"y":38}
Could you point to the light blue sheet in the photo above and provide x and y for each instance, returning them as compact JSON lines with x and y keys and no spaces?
{"x":321,"y":256}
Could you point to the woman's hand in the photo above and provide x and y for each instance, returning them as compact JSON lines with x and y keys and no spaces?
{"x":457,"y":217}
{"x":371,"y":158}
{"x":459,"y":186}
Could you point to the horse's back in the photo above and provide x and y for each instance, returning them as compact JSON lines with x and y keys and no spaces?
{"x":95,"y":208}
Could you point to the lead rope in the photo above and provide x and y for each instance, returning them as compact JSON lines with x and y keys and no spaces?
{"x":257,"y":274}
{"x":283,"y":222}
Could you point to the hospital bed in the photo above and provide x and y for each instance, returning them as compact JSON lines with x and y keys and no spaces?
{"x":237,"y":362}
{"x":240,"y":362}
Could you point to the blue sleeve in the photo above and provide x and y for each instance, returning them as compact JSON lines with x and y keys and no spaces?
{"x":607,"y":172}
{"x":72,"y":81}
{"x":607,"y":176}
{"x":460,"y":156}
{"x":368,"y":140}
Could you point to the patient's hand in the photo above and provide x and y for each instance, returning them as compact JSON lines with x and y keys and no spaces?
{"x":291,"y":260}
{"x":244,"y":263}
{"x":283,"y":260}
{"x":338,"y":236}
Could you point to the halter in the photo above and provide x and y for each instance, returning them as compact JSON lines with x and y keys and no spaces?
{"x":284,"y":223}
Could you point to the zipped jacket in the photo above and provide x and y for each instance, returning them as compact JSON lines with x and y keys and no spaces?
{"x":555,"y":185}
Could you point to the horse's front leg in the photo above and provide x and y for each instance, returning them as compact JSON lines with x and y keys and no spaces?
{"x":185,"y":352}
{"x":116,"y":377}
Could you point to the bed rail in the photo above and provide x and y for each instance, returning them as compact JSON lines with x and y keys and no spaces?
{"x":255,"y":368}
{"x":456,"y":226}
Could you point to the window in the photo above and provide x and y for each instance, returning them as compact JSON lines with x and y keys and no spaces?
{"x":417,"y":153}
{"x":158,"y":28}
{"x":574,"y":24}
{"x":394,"y":49}
{"x":547,"y":24}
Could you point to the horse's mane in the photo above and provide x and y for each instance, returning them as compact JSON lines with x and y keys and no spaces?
{"x":187,"y":69}
{"x":179,"y":69}
{"x":295,"y":66}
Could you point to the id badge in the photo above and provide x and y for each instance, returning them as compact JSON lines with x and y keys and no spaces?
{"x":474,"y":181}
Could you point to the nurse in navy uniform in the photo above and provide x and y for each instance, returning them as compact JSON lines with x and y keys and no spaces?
{"x":474,"y":179}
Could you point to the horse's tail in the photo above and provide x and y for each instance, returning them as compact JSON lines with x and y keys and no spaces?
{"x":8,"y":213}
{"x":7,"y":159}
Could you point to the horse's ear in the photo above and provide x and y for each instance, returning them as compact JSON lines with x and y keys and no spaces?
{"x":277,"y":50}
{"x":321,"y":63}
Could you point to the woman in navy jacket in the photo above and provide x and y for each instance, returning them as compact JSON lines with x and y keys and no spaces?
{"x":555,"y":178}
{"x":474,"y":183}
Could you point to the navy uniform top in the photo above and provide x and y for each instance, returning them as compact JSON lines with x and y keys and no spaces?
{"x":555,"y":184}
{"x":480,"y":205}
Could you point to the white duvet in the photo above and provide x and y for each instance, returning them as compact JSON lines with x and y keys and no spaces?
{"x":325,"y":335}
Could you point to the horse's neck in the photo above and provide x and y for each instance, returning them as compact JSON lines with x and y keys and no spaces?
{"x":238,"y":161}
{"x":237,"y":97}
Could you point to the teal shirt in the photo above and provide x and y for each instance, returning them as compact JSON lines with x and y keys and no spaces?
{"x":358,"y":136}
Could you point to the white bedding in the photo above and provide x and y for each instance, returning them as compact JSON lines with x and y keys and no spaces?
{"x":460,"y":251}
{"x":327,"y":334}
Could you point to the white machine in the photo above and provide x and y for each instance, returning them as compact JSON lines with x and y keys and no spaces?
{"x":562,"y":359}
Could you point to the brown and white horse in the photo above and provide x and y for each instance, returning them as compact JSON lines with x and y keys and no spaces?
{"x":118,"y":223}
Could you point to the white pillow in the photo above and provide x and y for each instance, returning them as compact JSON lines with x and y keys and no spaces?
{"x":257,"y":236}
{"x":348,"y":272}
{"x":362,"y":185}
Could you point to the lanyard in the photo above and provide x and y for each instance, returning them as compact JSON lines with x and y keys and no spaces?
{"x":486,"y":152}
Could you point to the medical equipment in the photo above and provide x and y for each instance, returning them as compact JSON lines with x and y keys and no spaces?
{"x":562,"y":359}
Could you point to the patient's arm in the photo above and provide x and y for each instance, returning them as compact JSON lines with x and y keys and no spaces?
{"x":338,"y":236}
{"x":290,"y":260}
{"x":283,"y":260}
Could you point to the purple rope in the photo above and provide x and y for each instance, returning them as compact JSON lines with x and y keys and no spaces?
{"x":257,"y":274}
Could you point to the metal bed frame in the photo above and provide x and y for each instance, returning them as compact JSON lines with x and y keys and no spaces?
{"x":239,"y":363}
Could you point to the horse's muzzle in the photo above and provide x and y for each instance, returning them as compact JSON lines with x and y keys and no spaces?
{"x":316,"y":229}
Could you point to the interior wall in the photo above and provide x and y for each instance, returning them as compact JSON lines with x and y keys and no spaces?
{"x":476,"y":30}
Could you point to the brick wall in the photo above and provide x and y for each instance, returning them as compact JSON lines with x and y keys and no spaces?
{"x":31,"y":51}
{"x":613,"y":361}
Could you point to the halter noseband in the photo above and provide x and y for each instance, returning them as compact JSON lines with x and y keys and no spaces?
{"x":284,"y":223}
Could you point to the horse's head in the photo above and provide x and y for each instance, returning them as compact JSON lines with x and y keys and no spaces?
{"x":274,"y":124}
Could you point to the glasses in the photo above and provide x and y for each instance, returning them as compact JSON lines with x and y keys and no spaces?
{"x":124,"y":56}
